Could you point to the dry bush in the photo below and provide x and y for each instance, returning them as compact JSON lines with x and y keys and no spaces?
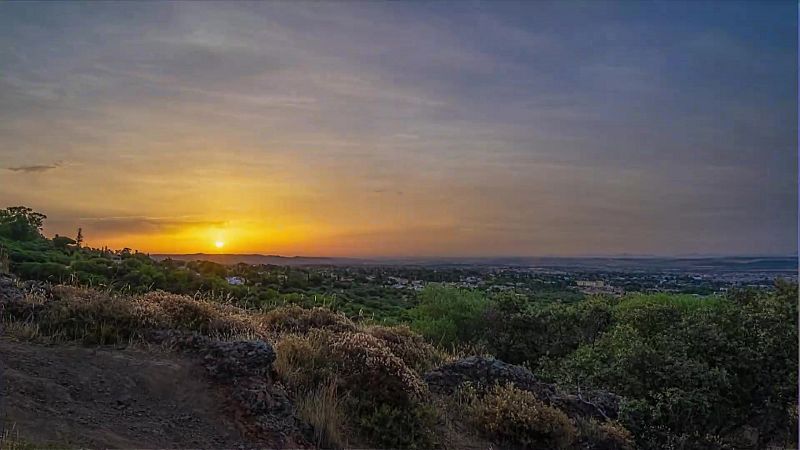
{"x":408,"y":346}
{"x":324,"y":410}
{"x":366,"y":364}
{"x":609,"y":435}
{"x":185,"y":313}
{"x":516,"y":418}
{"x":88,"y":315}
{"x":385,"y":399}
{"x":360,"y":362}
{"x":99,"y":317}
{"x":303,"y":362}
{"x":294,"y":319}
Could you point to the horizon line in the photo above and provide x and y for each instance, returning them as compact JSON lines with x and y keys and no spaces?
{"x":385,"y":257}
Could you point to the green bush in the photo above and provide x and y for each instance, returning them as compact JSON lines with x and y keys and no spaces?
{"x":448,"y":316}
{"x":521,"y":332}
{"x":387,"y":426}
{"x":691,"y":369}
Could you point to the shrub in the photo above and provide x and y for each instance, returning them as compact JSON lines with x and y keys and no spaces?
{"x":695,"y":370}
{"x":514,"y":417}
{"x":383,"y":397}
{"x":98,"y":317}
{"x":520,"y":332}
{"x":610,"y":435}
{"x":448,"y":316}
{"x":186,"y":313}
{"x":294,"y":319}
{"x":304,"y":361}
{"x":89,"y":316}
{"x":368,"y":367}
{"x":387,"y":426}
{"x":408,"y":346}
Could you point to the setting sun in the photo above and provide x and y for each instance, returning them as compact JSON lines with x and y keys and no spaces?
{"x":219,"y":244}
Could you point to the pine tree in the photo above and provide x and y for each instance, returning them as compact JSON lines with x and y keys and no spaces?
{"x":79,"y":238}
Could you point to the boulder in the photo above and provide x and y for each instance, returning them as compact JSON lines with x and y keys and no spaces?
{"x":484,"y":372}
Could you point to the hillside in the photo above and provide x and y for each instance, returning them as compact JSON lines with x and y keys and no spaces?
{"x":122,"y":370}
{"x":329,"y":357}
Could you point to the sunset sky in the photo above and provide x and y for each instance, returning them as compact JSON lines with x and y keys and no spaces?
{"x":405,"y":129}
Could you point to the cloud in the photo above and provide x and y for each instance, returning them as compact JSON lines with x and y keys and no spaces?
{"x":37,"y":168}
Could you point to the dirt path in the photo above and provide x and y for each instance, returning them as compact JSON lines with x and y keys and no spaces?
{"x":84,"y":397}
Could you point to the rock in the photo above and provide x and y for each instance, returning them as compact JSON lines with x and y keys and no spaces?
{"x":485,"y":372}
{"x":600,"y":405}
{"x":244,"y":369}
{"x":239,"y":359}
{"x":13,"y":296}
{"x":9,"y":291}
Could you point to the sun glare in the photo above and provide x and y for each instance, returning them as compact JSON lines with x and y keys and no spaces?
{"x":219,"y":244}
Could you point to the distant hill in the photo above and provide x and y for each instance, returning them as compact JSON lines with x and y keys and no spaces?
{"x":256,"y":259}
{"x":622,"y":264}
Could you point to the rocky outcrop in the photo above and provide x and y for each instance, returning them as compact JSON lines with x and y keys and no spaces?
{"x":12,"y":296}
{"x":600,"y":405}
{"x":9,"y":291}
{"x":485,"y":372}
{"x":244,"y":368}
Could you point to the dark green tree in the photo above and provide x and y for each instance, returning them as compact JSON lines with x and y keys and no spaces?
{"x":62,"y":242}
{"x":21,"y":223}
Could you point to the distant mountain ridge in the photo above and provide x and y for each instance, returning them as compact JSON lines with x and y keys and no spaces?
{"x":254,"y":258}
{"x":624,"y":263}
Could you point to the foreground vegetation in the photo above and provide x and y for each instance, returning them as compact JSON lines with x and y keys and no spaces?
{"x":693,"y":372}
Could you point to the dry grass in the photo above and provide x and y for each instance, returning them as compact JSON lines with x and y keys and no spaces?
{"x":10,"y":440}
{"x":21,"y":330}
{"x":324,"y":410}
{"x":294,"y":319}
{"x":101,"y":317}
{"x":303,"y":362}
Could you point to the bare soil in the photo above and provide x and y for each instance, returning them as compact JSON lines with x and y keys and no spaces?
{"x":69,"y":396}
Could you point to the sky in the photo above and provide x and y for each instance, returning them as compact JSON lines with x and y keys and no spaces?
{"x":405,"y":128}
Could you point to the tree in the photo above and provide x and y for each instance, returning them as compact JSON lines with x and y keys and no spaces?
{"x":21,"y":224}
{"x":79,"y":238}
{"x":448,"y":316}
{"x":62,"y":242}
